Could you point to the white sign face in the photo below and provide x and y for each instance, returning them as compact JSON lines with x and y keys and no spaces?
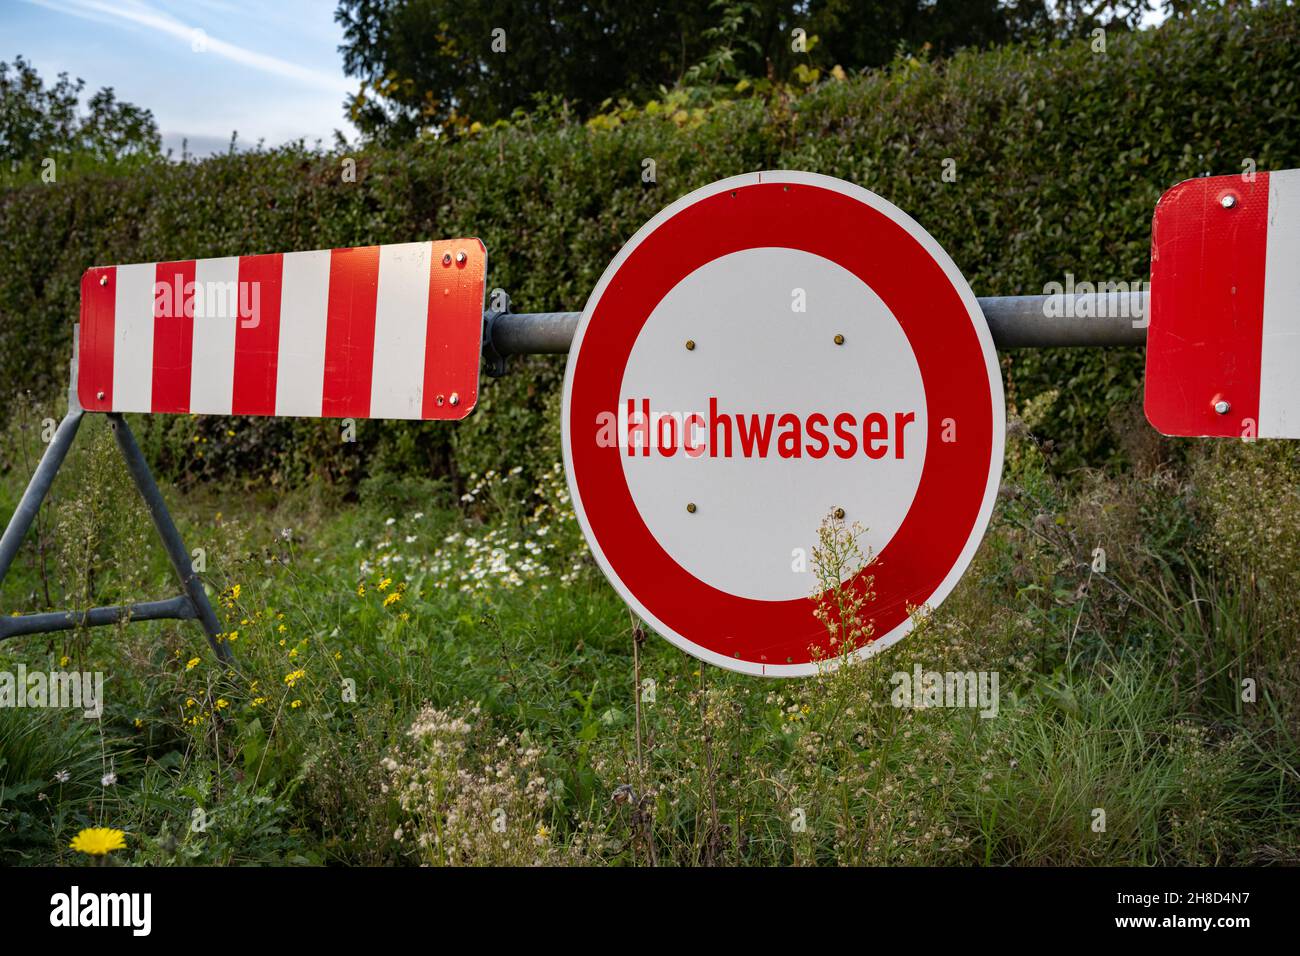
{"x":805,"y":374}
{"x":767,"y":351}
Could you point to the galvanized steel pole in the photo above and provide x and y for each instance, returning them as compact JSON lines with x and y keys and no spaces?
{"x":1018,"y":321}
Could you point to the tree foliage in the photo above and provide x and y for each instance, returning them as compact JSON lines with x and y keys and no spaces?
{"x":430,"y":64}
{"x":40,"y":121}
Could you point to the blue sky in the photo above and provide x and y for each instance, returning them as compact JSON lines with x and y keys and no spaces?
{"x":269,"y":69}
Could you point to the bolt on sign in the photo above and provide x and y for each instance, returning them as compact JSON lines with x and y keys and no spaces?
{"x":766,"y":351}
{"x":1223,"y":347}
{"x":391,"y":331}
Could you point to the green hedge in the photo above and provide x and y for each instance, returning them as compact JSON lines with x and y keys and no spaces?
{"x":1061,"y":153}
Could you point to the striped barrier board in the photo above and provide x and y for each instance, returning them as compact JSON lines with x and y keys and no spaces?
{"x":1223,"y":346}
{"x":391,"y":331}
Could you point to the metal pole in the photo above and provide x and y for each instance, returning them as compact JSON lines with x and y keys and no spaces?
{"x":179,"y":607}
{"x":20,"y":521}
{"x":37,"y":488}
{"x":171,"y":538}
{"x":1019,"y":321}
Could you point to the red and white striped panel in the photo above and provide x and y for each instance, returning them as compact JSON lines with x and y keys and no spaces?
{"x":368,"y":332}
{"x":1223,"y":346}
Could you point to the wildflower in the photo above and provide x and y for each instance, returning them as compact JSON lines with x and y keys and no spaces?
{"x":296,"y":704}
{"x":392,"y":599}
{"x":63,"y":661}
{"x":391,"y":521}
{"x":98,"y":841}
{"x":222,"y":703}
{"x":109,"y":779}
{"x":543,"y":833}
{"x":138,"y":723}
{"x":361,"y":589}
{"x":383,"y":585}
{"x":293,"y":652}
{"x":259,"y":701}
{"x":293,"y":677}
{"x":63,"y":776}
{"x":192,"y":663}
{"x":232,"y":636}
{"x":190,"y":702}
{"x":282,"y":628}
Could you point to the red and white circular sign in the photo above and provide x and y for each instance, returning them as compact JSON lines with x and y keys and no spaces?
{"x":766,"y":350}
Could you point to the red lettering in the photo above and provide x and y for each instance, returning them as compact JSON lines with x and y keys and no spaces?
{"x":901,"y":421}
{"x":759,"y":436}
{"x":843,"y":422}
{"x":714,"y":421}
{"x":875,"y":430}
{"x":790,"y":443}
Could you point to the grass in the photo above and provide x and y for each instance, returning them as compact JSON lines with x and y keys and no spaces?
{"x":427,"y":680}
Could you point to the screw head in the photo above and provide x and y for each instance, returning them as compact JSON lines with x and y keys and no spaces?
{"x":690,"y":508}
{"x":100,"y":396}
{"x":1228,"y":201}
{"x":690,"y":345}
{"x":460,"y":258}
{"x":103,"y":280}
{"x":455,"y":398}
{"x":839,"y":339}
{"x":446,"y":258}
{"x":441,"y":401}
{"x":839,"y":514}
{"x":1222,"y":407}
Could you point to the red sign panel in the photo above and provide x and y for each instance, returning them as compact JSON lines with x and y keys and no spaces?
{"x":389,"y":331}
{"x":1223,"y":346}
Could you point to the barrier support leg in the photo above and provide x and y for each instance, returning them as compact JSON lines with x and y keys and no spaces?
{"x":37,"y":488}
{"x":171,"y":538}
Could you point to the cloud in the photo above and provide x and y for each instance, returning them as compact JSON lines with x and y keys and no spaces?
{"x":138,"y":13}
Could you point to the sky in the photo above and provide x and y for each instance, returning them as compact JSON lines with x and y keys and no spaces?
{"x":270,"y":70}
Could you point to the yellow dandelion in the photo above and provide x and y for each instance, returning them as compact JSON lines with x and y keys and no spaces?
{"x":296,"y":704}
{"x":392,"y":599}
{"x":190,"y":702}
{"x":192,"y":663}
{"x":293,"y":652}
{"x":383,"y":585}
{"x":98,"y":841}
{"x":282,"y":628}
{"x":361,"y":589}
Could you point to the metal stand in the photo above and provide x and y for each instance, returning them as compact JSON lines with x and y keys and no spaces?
{"x":192,"y":604}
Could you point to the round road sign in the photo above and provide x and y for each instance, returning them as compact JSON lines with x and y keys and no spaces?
{"x":767,"y":351}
